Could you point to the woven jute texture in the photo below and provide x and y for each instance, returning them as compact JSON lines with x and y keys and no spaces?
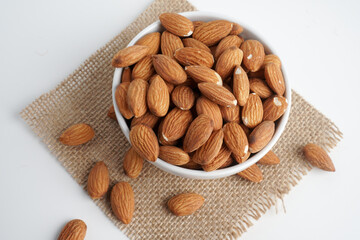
{"x":231,"y":205}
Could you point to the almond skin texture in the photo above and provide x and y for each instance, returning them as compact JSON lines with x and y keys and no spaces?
{"x":130,"y":55}
{"x":98,"y":180}
{"x":235,"y":139}
{"x":254,"y":54}
{"x":174,"y":155}
{"x":123,"y":202}
{"x":258,"y":74}
{"x":217,"y":94}
{"x":231,"y":114}
{"x":274,"y":107}
{"x":211,"y":109}
{"x":227,"y":61}
{"x":143,"y":69}
{"x":260,"y":87}
{"x":175,"y":124}
{"x":158,"y":98}
{"x":74,"y":230}
{"x":318,"y":157}
{"x":252,"y":173}
{"x":169,"y":69}
{"x":218,"y":161}
{"x":177,"y":24}
{"x":197,"y":23}
{"x":111,"y":112}
{"x":170,"y":43}
{"x":161,"y":138}
{"x":241,"y":85}
{"x":126,"y":75}
{"x":198,"y":133}
{"x":77,"y":134}
{"x":132,"y":164}
{"x":225,"y":43}
{"x":121,"y":102}
{"x":269,"y":159}
{"x":144,"y":142}
{"x":185,"y":204}
{"x":136,"y":97}
{"x":227,"y":163}
{"x":241,"y":159}
{"x":252,"y":112}
{"x":183,"y":97}
{"x":207,"y":152}
{"x":271,"y":58}
{"x":236,"y":29}
{"x":274,"y":78}
{"x":261,"y":136}
{"x":212,"y":32}
{"x":152,"y":40}
{"x":203,"y":74}
{"x":191,"y":42}
{"x":194,"y":56}
{"x":192,"y":165}
{"x":147,"y":119}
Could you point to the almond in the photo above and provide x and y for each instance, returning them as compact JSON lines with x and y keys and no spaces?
{"x":274,"y":78}
{"x":211,"y":109}
{"x":152,"y":40}
{"x":252,"y":173}
{"x":236,"y":29}
{"x":144,"y":142}
{"x":274,"y":107}
{"x":185,"y":204}
{"x":198,"y":133}
{"x":169,"y":69}
{"x":191,"y":165}
{"x":261,"y":136}
{"x":241,"y":86}
{"x":240,"y":159}
{"x":207,"y":152}
{"x":170,"y":87}
{"x":217,"y":94}
{"x":235,"y":139}
{"x":194,"y":56}
{"x":133,"y":163}
{"x":174,"y":155}
{"x":254,"y":54}
{"x":162,"y":141}
{"x":318,"y":157}
{"x":218,"y":161}
{"x":143,"y":69}
{"x":191,"y":42}
{"x":213,"y":49}
{"x":203,"y":74}
{"x":227,"y":61}
{"x":225,"y":43}
{"x":260,"y":87}
{"x":130,"y":55}
{"x":175,"y":124}
{"x":121,"y":102}
{"x":252,"y":112}
{"x":123,"y":202}
{"x":269,"y":159}
{"x":197,"y":23}
{"x":231,"y":114}
{"x":75,"y":230}
{"x":212,"y":32}
{"x":246,"y":129}
{"x":98,"y":180}
{"x":158,"y":98}
{"x":136,"y":97}
{"x":126,"y":75}
{"x":147,"y":119}
{"x":77,"y":134}
{"x":111,"y":112}
{"x":170,"y":43}
{"x":183,"y":97}
{"x":189,"y":83}
{"x":177,"y":24}
{"x":258,"y":74}
{"x":227,"y":163}
{"x":271,"y":58}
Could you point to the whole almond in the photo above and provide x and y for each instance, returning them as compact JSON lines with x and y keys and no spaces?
{"x":144,"y":142}
{"x":98,"y":180}
{"x":227,"y":61}
{"x":191,"y":42}
{"x":177,"y":24}
{"x":236,"y":29}
{"x":235,"y":139}
{"x":274,"y":78}
{"x":136,"y":97}
{"x":217,"y":94}
{"x":143,"y":69}
{"x":194,"y":56}
{"x":207,"y":107}
{"x":260,"y":87}
{"x":77,"y":134}
{"x":254,"y":54}
{"x":203,"y":74}
{"x":130,"y":55}
{"x":174,"y":155}
{"x":132,"y":164}
{"x":218,"y":161}
{"x":175,"y":124}
{"x":252,"y":173}
{"x":126,"y":75}
{"x":121,"y":100}
{"x":147,"y":119}
{"x":158,"y":98}
{"x":207,"y":152}
{"x":318,"y":157}
{"x":123,"y":202}
{"x":271,"y":58}
{"x":274,"y":107}
{"x":198,"y":133}
{"x":261,"y":136}
{"x":212,"y":32}
{"x":152,"y":40}
{"x":229,"y":41}
{"x":185,"y":204}
{"x":170,"y":43}
{"x":241,"y":85}
{"x":162,"y":140}
{"x":252,"y":112}
{"x":111,"y":112}
{"x":231,"y":114}
{"x":74,"y":230}
{"x":269,"y":159}
{"x":197,"y":23}
{"x":169,"y":69}
{"x":183,"y":97}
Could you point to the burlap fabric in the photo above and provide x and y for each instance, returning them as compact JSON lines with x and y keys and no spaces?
{"x":231,"y":205}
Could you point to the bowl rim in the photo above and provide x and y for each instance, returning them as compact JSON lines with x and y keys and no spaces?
{"x":219,"y":173}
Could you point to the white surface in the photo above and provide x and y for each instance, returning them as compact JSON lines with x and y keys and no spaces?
{"x":41,"y":42}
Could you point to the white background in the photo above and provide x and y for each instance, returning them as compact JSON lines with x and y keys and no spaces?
{"x":41,"y":42}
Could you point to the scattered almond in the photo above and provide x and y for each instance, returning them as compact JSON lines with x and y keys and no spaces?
{"x":185,"y":204}
{"x":123,"y":202}
{"x":132,"y":164}
{"x":318,"y":157}
{"x":269,"y":159}
{"x":77,"y":134}
{"x":98,"y":180}
{"x":74,"y":230}
{"x":111,"y":112}
{"x":252,"y":173}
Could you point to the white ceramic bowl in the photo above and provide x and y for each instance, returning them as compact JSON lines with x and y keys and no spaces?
{"x":199,"y":174}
